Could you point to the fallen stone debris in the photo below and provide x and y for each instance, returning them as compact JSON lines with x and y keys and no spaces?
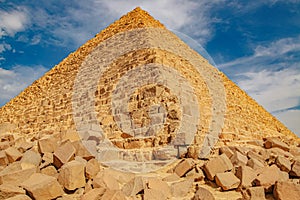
{"x":60,"y":169}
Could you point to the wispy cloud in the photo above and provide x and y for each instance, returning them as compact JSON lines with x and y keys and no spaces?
{"x":271,"y":75}
{"x":13,"y":21}
{"x":13,"y":81}
{"x":188,"y":16}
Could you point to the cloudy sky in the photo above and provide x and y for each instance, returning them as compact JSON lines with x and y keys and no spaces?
{"x":255,"y":43}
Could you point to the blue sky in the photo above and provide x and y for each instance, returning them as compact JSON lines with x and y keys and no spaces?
{"x":255,"y":43}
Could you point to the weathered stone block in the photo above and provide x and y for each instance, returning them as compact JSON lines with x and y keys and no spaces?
{"x":71,"y":175}
{"x":219,"y":164}
{"x":227,"y":180}
{"x":63,"y":154}
{"x":41,"y":186}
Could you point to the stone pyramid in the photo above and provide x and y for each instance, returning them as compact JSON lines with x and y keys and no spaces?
{"x":138,"y":85}
{"x":139,"y":100}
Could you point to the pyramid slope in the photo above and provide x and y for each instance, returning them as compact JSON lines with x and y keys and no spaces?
{"x":45,"y":107}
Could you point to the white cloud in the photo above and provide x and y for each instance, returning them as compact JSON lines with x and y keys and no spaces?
{"x":188,"y":16}
{"x":13,"y":21}
{"x":13,"y":81}
{"x":276,"y":90}
{"x":5,"y":47}
{"x":272,"y":77}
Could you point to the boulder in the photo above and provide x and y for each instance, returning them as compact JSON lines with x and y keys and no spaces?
{"x":42,"y":187}
{"x":275,"y":142}
{"x":71,"y":175}
{"x":92,"y":168}
{"x":184,"y":166}
{"x":246,"y":175}
{"x":13,"y":154}
{"x":268,"y":176}
{"x":254,"y":193}
{"x":227,"y":180}
{"x":219,"y":164}
{"x":47,"y":144}
{"x":63,"y":154}
{"x":9,"y":190}
{"x":238,"y":159}
{"x":286,"y":191}
{"x":283,"y":163}
{"x":295,"y":171}
{"x":134,"y":186}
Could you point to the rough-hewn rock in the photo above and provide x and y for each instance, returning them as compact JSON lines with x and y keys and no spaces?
{"x":254,"y":193}
{"x":63,"y":154}
{"x":217,"y":165}
{"x":43,"y":187}
{"x":71,"y":175}
{"x":184,"y":166}
{"x":227,"y":180}
{"x":246,"y":176}
{"x":286,"y":191}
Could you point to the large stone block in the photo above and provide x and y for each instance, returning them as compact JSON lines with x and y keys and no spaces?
{"x":71,"y":175}
{"x":219,"y":164}
{"x":42,"y":187}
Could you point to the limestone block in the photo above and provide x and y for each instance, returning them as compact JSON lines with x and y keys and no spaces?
{"x":105,"y":180}
{"x":13,"y":154}
{"x":255,"y":164}
{"x":156,"y":184}
{"x":203,"y":194}
{"x":92,"y":168}
{"x":246,"y":176}
{"x":295,"y":169}
{"x":3,"y":158}
{"x":4,"y":145}
{"x":267,"y":177}
{"x":94,"y":194}
{"x":24,"y":146}
{"x":41,"y":186}
{"x":254,"y":193}
{"x":50,"y":171}
{"x":82,"y":151}
{"x":9,"y":190}
{"x":238,"y":159}
{"x":184,"y":166}
{"x":71,"y":175}
{"x":134,"y":186}
{"x":63,"y":154}
{"x":226,"y":150}
{"x":31,"y":157}
{"x":47,"y":144}
{"x":219,"y":164}
{"x":275,"y":142}
{"x":227,"y":180}
{"x":182,"y":188}
{"x":283,"y":163}
{"x":255,"y":155}
{"x":286,"y":191}
{"x":15,"y":173}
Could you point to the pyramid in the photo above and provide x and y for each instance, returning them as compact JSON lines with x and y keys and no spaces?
{"x":135,"y":93}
